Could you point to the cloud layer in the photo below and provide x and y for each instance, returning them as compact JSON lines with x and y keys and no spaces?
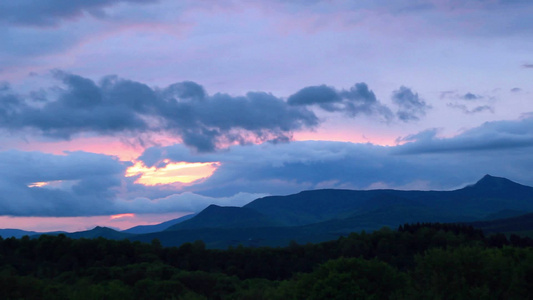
{"x":116,"y":106}
{"x":119,"y":106}
{"x":84,"y":184}
{"x":51,"y":13}
{"x":422,"y":161}
{"x":80,"y":183}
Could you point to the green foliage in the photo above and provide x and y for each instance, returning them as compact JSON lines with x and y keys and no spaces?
{"x":351,"y":278}
{"x":419,"y":261}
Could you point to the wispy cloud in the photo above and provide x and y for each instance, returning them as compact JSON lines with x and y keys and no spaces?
{"x":466,"y":110}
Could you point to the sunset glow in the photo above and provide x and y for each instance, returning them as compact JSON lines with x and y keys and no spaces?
{"x":172,"y":172}
{"x":122,"y":216}
{"x":72,"y":224}
{"x":52,"y":183}
{"x":37,"y":184}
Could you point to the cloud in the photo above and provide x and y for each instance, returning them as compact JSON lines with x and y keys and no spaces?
{"x":315,"y":95}
{"x":304,"y":165}
{"x":411,"y":106}
{"x":118,"y":106}
{"x":455,"y":95}
{"x":87,"y":184}
{"x":115,"y":106}
{"x":184,"y":202}
{"x":83,"y":184}
{"x":502,"y":148}
{"x":74,"y":184}
{"x":359,"y":99}
{"x":528,"y":66}
{"x":52,"y":13}
{"x":516,"y":90}
{"x":474,"y":110}
{"x":470,"y":96}
{"x":491,"y":136}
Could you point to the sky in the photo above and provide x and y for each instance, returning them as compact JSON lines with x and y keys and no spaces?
{"x":126,"y":112}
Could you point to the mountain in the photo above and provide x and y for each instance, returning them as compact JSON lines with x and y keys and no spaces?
{"x":491,"y":195}
{"x":141,"y":229}
{"x":318,"y":215}
{"x":215,"y":216}
{"x":17,"y":233}
{"x":488,"y":196}
{"x":492,"y":184}
{"x":96,"y":232}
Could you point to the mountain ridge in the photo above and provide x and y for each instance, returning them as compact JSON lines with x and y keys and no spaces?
{"x":318,"y":215}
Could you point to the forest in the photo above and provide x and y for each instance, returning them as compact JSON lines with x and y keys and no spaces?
{"x":415,"y":261}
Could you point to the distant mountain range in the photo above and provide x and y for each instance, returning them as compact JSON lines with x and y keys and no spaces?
{"x":141,"y":229}
{"x":494,"y":204}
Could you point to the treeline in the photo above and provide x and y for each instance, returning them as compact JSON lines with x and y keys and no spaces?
{"x":417,"y":261}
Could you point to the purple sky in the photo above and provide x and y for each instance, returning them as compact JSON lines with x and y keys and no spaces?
{"x":105,"y":105}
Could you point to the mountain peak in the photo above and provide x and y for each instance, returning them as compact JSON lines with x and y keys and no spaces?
{"x":490,"y":182}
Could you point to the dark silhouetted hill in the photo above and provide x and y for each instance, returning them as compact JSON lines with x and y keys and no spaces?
{"x":141,"y":229}
{"x":97,"y":232}
{"x":320,"y":215}
{"x":17,"y":233}
{"x":215,"y":216}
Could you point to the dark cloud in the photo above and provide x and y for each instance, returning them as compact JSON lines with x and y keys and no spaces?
{"x":53,"y":12}
{"x":83,"y":106}
{"x":315,"y":95}
{"x":491,"y":136}
{"x":79,"y":183}
{"x":185,"y":90}
{"x":359,"y":99}
{"x":516,"y":90}
{"x":470,"y":96}
{"x":290,"y":168}
{"x":411,"y":106}
{"x":116,"y":106}
{"x":466,"y":110}
{"x":119,"y":106}
{"x":87,"y":184}
{"x":528,"y":66}
{"x":91,"y":184}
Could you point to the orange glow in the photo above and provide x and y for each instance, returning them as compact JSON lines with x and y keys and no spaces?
{"x":53,"y":183}
{"x":122,"y":216}
{"x":173,"y":172}
{"x":37,"y":184}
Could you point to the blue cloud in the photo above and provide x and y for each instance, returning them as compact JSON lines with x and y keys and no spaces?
{"x":52,"y":13}
{"x":118,"y":106}
{"x":358,"y":100}
{"x":410,"y":106}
